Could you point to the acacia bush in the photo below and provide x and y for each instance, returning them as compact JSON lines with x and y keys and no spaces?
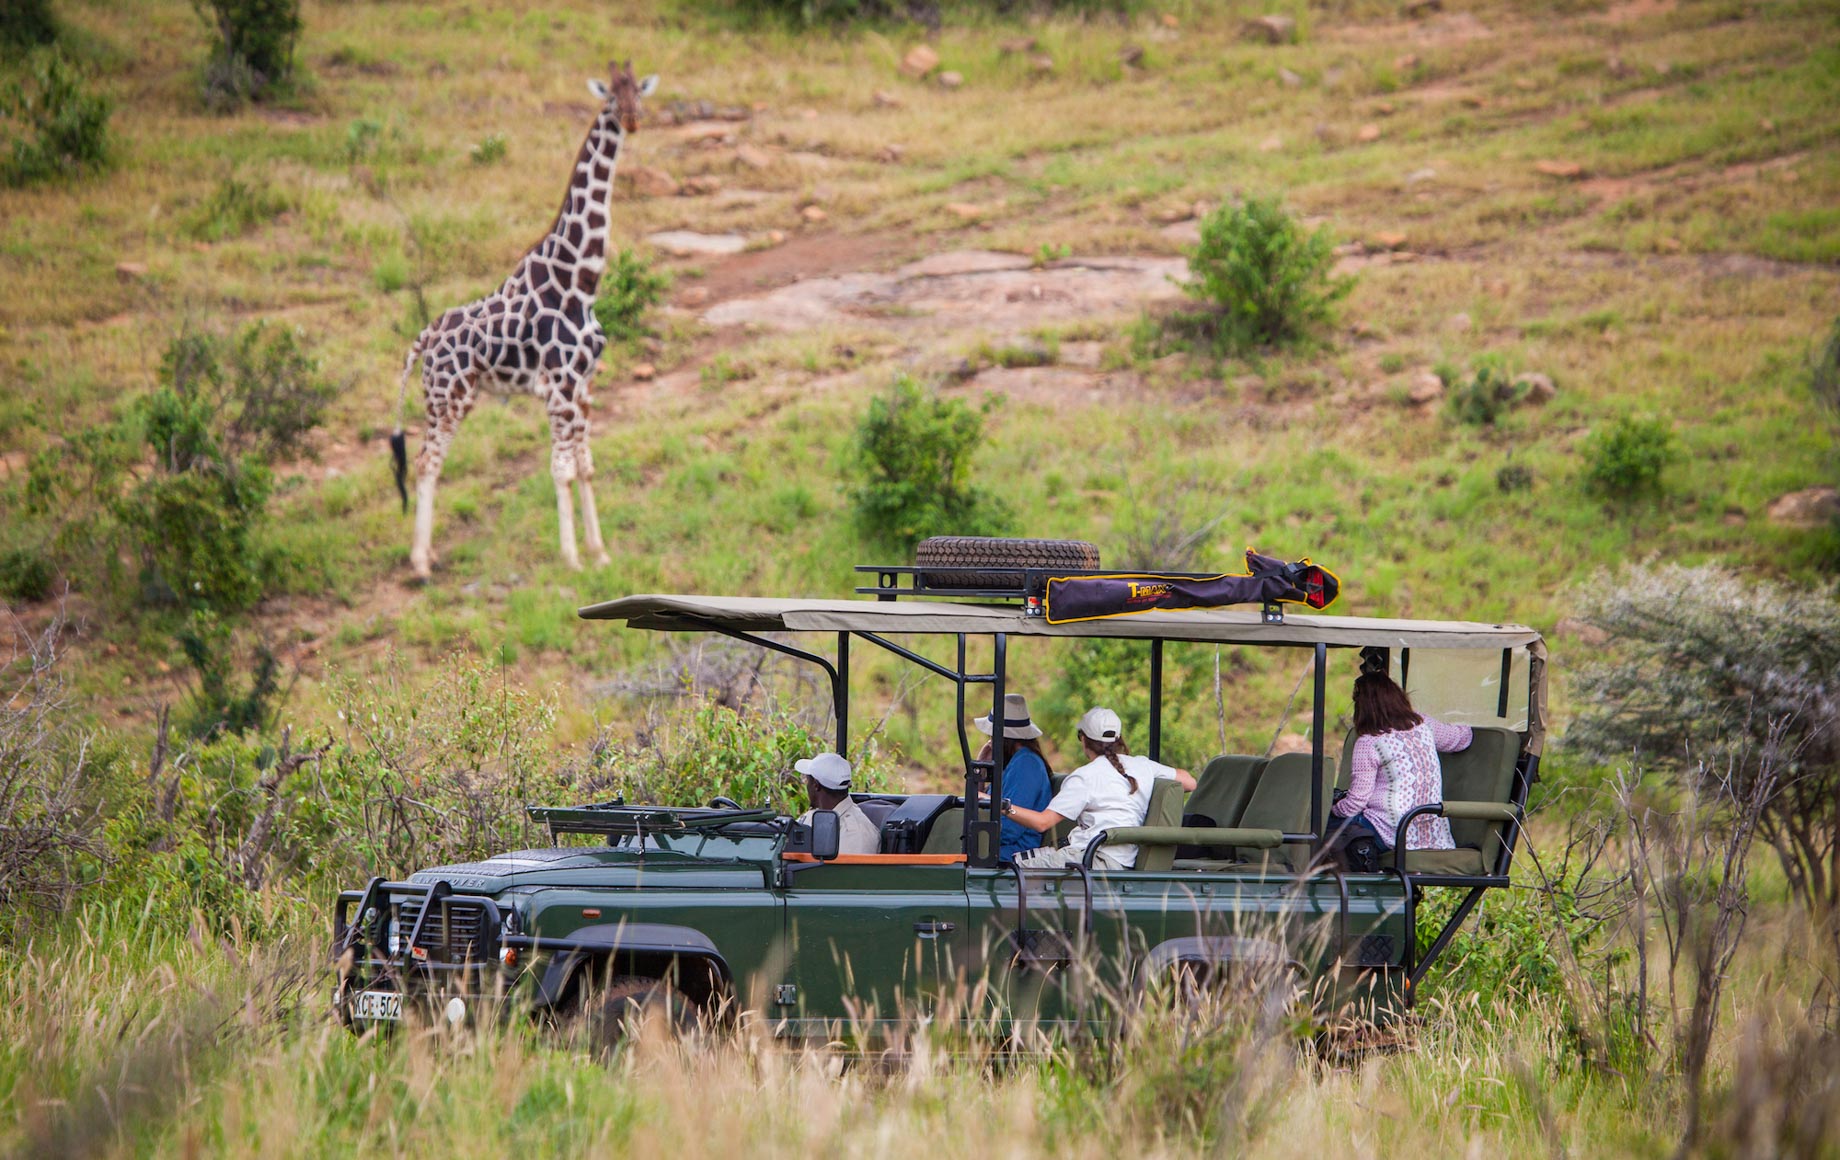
{"x":1264,"y":279}
{"x":1706,"y":676}
{"x":27,"y":23}
{"x":52,"y":124}
{"x":914,"y":453}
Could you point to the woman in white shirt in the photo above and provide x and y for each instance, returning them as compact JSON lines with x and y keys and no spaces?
{"x":1109,"y":792}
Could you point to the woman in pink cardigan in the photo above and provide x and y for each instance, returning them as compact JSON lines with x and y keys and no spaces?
{"x":1395,"y":769}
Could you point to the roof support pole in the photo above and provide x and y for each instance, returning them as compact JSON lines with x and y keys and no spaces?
{"x":1319,"y":689}
{"x":840,"y":694}
{"x":1156,"y":699}
{"x":998,"y":745}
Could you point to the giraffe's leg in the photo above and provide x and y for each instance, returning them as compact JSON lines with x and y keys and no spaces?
{"x":448,"y":401}
{"x":584,"y":481}
{"x":562,"y":470}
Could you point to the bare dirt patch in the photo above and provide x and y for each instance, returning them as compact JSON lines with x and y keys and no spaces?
{"x":967,"y":288}
{"x":807,"y":256}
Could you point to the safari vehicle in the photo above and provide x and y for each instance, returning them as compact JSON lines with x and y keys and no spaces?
{"x":730,"y":907}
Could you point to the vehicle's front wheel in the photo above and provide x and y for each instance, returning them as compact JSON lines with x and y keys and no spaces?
{"x":605,"y":1015}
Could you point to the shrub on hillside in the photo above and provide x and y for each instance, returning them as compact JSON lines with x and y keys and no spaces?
{"x":25,"y":574}
{"x":1483,"y":398}
{"x":1264,"y":280}
{"x":181,"y":482}
{"x":629,"y":291}
{"x":254,"y":51}
{"x":913,"y":462}
{"x":53,"y":125}
{"x":1627,"y":460}
{"x":1707,"y":676}
{"x":234,"y":208}
{"x":27,"y":23}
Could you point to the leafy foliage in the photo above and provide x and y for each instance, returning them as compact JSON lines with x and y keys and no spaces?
{"x":1484,"y":398}
{"x":254,"y":50}
{"x":219,"y":705}
{"x":235,"y":207}
{"x":27,"y":23}
{"x":1264,"y":279}
{"x":913,"y":459}
{"x":1707,"y":675}
{"x":183,"y":477}
{"x":58,"y":127}
{"x":630,"y":289}
{"x":25,"y":574}
{"x":1627,"y":460}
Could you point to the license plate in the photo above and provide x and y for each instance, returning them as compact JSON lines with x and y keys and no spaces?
{"x":377,"y":1005}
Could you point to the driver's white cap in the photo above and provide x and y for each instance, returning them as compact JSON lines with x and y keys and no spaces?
{"x":1101,"y":725}
{"x":827,"y":769}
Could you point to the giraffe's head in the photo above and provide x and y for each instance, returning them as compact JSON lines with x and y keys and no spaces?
{"x":623,"y":93}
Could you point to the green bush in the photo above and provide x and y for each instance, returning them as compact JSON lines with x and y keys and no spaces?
{"x":27,"y":23}
{"x":1627,"y":460}
{"x":1824,"y":369}
{"x":254,"y":51}
{"x":194,"y":516}
{"x":913,"y":460}
{"x":25,"y":575}
{"x":221,"y":704}
{"x":1483,"y":399}
{"x":53,"y":126}
{"x":1264,"y":280}
{"x":630,"y":289}
{"x":489,"y":151}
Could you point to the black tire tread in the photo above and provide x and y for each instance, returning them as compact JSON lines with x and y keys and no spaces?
{"x":989,"y":552}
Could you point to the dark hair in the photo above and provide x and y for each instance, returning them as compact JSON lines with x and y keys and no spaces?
{"x":1110,"y":751}
{"x":1381,"y":706}
{"x":1011,"y":744}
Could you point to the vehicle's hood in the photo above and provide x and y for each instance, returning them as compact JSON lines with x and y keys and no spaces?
{"x":553,"y":866}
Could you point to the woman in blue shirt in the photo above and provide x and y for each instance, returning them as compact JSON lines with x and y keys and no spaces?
{"x":1025,"y":772}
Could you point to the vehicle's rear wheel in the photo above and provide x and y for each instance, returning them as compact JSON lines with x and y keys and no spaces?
{"x":605,"y":1015}
{"x":981,"y":556}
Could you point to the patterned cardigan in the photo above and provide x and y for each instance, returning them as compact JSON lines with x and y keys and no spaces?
{"x":1393,"y":773}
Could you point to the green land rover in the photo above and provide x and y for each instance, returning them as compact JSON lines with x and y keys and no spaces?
{"x":730,"y":908}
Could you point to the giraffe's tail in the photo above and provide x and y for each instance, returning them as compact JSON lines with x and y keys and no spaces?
{"x":399,"y":440}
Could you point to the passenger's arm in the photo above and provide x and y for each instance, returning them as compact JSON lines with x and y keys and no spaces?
{"x":1362,"y":771}
{"x":1041,"y":821}
{"x":1451,"y":738}
{"x":1187,"y":779}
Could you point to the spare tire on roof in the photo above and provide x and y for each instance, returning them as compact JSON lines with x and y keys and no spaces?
{"x":979,"y":561}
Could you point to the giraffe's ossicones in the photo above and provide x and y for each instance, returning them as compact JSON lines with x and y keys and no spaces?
{"x":537,"y":333}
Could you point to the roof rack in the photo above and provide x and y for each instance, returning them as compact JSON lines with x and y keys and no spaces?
{"x":1028,"y":586}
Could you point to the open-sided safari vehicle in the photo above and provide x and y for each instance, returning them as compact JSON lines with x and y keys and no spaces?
{"x":731,"y":907}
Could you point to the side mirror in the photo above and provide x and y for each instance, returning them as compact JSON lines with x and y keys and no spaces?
{"x":826,"y":835}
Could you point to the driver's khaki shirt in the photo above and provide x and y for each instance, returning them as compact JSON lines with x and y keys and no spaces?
{"x":856,"y":834}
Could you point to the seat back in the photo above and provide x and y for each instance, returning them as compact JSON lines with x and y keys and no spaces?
{"x":1166,"y":797}
{"x":1223,"y":789}
{"x":876,"y":810}
{"x":1281,"y":801}
{"x":1484,"y":772}
{"x":948,"y":833}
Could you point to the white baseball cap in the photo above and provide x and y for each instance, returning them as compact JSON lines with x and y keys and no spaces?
{"x":827,"y":769}
{"x":1101,"y":725}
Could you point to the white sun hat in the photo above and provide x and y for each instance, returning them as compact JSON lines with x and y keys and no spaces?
{"x":1101,"y":725}
{"x":827,"y":769}
{"x":1016,"y":723}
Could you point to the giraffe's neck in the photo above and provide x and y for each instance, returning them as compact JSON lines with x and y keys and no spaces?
{"x":581,"y":229}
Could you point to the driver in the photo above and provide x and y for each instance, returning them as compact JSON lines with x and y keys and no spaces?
{"x":827,"y":785}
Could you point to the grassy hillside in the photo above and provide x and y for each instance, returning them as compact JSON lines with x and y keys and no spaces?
{"x":1635,"y":199}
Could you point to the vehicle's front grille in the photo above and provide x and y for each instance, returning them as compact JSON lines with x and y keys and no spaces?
{"x":465,"y":923}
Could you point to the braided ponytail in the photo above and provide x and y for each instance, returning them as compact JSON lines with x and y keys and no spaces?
{"x":1109,"y":751}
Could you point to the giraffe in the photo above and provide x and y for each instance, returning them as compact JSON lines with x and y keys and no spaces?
{"x":537,"y":333}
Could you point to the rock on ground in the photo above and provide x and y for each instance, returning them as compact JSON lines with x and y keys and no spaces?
{"x":1809,"y":508}
{"x":1273,"y":29}
{"x":689,"y":243}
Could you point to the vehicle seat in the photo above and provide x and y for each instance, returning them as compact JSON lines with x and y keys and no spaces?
{"x":1166,"y":798}
{"x":1220,"y":798}
{"x":876,"y":810}
{"x":1484,"y":772}
{"x":1281,"y":801}
{"x":948,"y":833}
{"x":1057,"y":834}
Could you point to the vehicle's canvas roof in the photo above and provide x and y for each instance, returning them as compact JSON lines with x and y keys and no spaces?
{"x":1213,"y":625}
